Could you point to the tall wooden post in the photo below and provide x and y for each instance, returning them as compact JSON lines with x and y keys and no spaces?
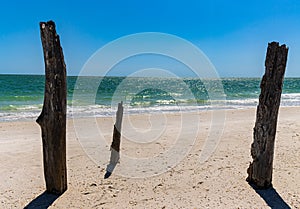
{"x":262,"y":148}
{"x":52,"y":119}
{"x":115,"y":145}
{"x":117,"y":128}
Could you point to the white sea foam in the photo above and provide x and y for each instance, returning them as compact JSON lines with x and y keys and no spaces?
{"x":31,"y":112}
{"x":290,"y":99}
{"x":240,"y":104}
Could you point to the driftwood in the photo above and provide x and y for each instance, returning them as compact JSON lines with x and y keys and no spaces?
{"x":262,"y":148}
{"x":117,"y":128}
{"x":115,"y":145}
{"x":52,"y":119}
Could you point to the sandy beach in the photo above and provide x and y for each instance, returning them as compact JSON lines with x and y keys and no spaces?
{"x":217,"y":183}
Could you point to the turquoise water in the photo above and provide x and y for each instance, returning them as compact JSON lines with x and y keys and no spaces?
{"x":21,"y":96}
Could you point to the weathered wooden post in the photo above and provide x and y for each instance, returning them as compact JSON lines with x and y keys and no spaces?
{"x":262,"y":148}
{"x":115,"y":145}
{"x":52,"y":119}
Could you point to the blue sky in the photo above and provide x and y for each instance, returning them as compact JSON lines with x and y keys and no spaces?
{"x":233,"y":34}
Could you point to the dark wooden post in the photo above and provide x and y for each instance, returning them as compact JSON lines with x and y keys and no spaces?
{"x":262,"y":148}
{"x":115,"y":145}
{"x":52,"y":119}
{"x":117,"y":128}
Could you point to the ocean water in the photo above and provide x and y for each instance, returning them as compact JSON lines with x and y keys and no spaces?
{"x":21,"y":96}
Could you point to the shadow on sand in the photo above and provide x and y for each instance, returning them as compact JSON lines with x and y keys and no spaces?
{"x":43,"y":201}
{"x":271,"y":197}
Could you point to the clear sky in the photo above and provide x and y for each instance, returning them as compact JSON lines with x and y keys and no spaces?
{"x":233,"y":34}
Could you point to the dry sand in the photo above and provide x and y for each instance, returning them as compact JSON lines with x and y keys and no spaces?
{"x":217,"y":183}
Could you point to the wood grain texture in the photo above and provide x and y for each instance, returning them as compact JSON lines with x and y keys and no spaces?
{"x":262,"y":148}
{"x":52,"y":119}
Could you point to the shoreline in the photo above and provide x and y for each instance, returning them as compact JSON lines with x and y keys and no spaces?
{"x":126,"y":113}
{"x":218,"y":182}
